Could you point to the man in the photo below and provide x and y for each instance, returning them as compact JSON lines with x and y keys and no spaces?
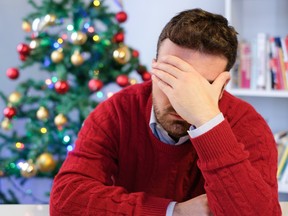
{"x":177,"y":145}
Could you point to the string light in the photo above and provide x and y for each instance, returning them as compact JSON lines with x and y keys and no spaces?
{"x":70,"y":27}
{"x":19,"y":145}
{"x":66,"y":139}
{"x":43,"y":130}
{"x":54,"y":79}
{"x":69,"y":148}
{"x":99,"y":94}
{"x":96,"y":3}
{"x":96,"y":38}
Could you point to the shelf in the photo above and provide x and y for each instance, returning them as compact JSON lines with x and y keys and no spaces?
{"x":259,"y":93}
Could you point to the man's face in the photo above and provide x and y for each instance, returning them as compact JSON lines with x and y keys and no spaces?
{"x":209,"y":66}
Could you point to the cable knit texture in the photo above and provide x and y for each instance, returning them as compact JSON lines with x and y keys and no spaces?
{"x":118,"y":167}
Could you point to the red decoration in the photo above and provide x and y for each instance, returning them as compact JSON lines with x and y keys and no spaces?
{"x":95,"y":85}
{"x":61,"y":87}
{"x":121,"y":16}
{"x":122,"y":80}
{"x":12,"y":73}
{"x":135,"y":54}
{"x":9,"y":112}
{"x":23,"y":49}
{"x":119,"y":37}
{"x":146,"y":76}
{"x":23,"y":57}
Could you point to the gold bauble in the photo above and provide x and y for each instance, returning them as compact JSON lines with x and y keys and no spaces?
{"x":28,"y":170}
{"x":42,"y":113}
{"x":6,"y":124}
{"x":77,"y":58}
{"x":78,"y":38}
{"x":50,"y":19}
{"x":122,"y":55}
{"x":57,"y":56}
{"x":60,"y":120}
{"x":45,"y":162}
{"x":14,"y":97}
{"x":26,"y":26}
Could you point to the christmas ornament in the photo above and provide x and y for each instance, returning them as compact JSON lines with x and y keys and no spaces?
{"x":57,"y":56}
{"x":42,"y":113}
{"x":77,"y":59}
{"x":23,"y":49}
{"x":60,"y":120}
{"x":28,"y":169}
{"x":135,"y":54}
{"x":122,"y":80}
{"x":9,"y":112}
{"x":78,"y":38}
{"x":61,"y":86}
{"x":12,"y":73}
{"x":122,"y":55}
{"x":6,"y":124}
{"x":95,"y":85}
{"x":121,"y":16}
{"x":14,"y":97}
{"x":49,"y":19}
{"x":26,"y":26}
{"x":119,"y":37}
{"x":22,"y":57}
{"x":146,"y":76}
{"x":45,"y":162}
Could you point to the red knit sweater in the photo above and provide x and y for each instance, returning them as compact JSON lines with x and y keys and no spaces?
{"x":118,"y":167}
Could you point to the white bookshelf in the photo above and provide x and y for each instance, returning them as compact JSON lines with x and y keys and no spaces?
{"x":251,"y":17}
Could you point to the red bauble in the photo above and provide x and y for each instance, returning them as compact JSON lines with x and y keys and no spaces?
{"x":12,"y":73}
{"x":23,"y":49}
{"x":9,"y":112}
{"x":95,"y":85}
{"x":146,"y":76}
{"x":119,"y":37}
{"x":61,"y":87}
{"x":23,"y":57}
{"x":122,"y":80}
{"x":121,"y":16}
{"x":135,"y":54}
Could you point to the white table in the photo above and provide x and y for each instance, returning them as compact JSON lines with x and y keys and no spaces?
{"x":43,"y":210}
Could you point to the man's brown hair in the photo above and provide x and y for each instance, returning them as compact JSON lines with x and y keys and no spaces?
{"x":202,"y":31}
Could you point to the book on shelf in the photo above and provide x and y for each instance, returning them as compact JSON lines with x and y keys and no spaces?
{"x":262,"y":64}
{"x":281,"y":139}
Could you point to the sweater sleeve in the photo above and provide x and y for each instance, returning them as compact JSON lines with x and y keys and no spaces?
{"x":85,"y":183}
{"x":239,"y":164}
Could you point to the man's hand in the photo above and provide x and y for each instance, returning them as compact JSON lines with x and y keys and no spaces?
{"x":194,"y":207}
{"x":193,"y":97}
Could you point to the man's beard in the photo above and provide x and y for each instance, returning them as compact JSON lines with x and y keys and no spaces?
{"x":175,"y":128}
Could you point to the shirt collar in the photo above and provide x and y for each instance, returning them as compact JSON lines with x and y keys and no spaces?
{"x":160,"y":132}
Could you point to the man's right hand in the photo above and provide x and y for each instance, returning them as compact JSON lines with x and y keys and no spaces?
{"x":197,"y":206}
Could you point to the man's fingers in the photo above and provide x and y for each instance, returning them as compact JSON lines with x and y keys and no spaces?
{"x":165,"y":77}
{"x":221,"y":81}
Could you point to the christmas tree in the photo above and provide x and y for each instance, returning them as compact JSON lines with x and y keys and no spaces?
{"x":79,"y":47}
